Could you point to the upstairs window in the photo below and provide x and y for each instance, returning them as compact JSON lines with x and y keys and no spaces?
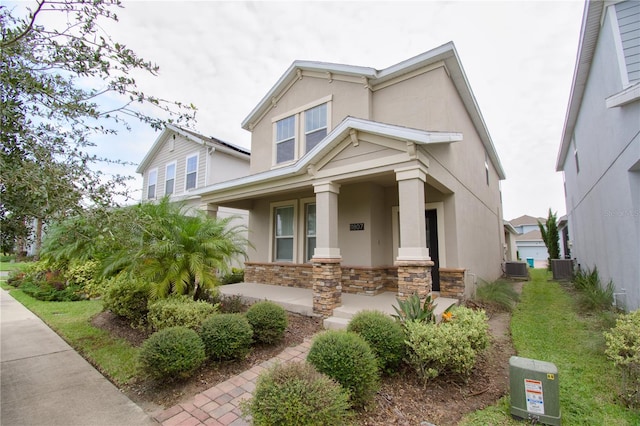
{"x":315,"y":126}
{"x":285,"y":139}
{"x":298,"y":131}
{"x":192,"y":172}
{"x":170,"y":179}
{"x":152,"y":184}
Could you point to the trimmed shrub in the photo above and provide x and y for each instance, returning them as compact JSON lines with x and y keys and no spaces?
{"x":172,"y":353}
{"x":268,"y":320}
{"x":296,"y":394}
{"x":179,"y":311}
{"x":128,"y":298}
{"x":623,"y":348}
{"x":347,"y":358}
{"x":448,"y":347}
{"x":226,"y":336}
{"x":384,"y":335}
{"x":85,"y":275}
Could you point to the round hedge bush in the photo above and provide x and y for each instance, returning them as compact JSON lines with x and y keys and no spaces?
{"x":384,"y":335}
{"x":347,"y":358}
{"x":268,"y":320}
{"x":175,"y":352}
{"x":179,"y":310}
{"x":296,"y":394}
{"x":226,"y":336}
{"x":128,"y":298}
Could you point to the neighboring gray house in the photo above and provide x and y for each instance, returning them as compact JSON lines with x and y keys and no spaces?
{"x":529,"y":241}
{"x":600,"y":149}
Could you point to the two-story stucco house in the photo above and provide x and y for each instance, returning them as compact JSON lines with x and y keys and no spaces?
{"x":181,"y":162}
{"x":366,"y":180}
{"x":600,"y":149}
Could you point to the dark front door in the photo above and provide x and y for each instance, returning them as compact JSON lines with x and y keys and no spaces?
{"x":432,"y":245}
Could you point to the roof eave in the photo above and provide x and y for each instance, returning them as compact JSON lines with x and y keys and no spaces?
{"x":586,"y":47}
{"x":340,"y":132}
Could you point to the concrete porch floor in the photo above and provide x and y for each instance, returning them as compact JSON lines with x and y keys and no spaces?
{"x":300,"y":300}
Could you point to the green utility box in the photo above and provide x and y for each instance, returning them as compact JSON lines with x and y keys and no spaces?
{"x":535,"y":392}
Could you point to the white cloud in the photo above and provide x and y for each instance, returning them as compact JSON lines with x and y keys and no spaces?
{"x":224,"y":57}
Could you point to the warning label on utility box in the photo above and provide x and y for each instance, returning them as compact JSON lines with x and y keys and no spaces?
{"x":533,"y":392}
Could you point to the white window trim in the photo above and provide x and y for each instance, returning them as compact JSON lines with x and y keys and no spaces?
{"x":442,"y":248}
{"x":155,"y":192}
{"x":302,"y":220}
{"x":272,"y":232}
{"x":186,"y":170}
{"x":175,"y":173}
{"x":299,"y":143}
{"x":296,"y":137}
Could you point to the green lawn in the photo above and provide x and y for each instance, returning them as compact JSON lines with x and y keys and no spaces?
{"x":11,"y":266}
{"x":72,"y":320}
{"x":546,"y":326}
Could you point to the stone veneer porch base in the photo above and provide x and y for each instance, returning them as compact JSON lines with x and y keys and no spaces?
{"x":355,"y":279}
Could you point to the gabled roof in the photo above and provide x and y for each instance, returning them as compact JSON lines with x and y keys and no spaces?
{"x":446,"y":53}
{"x":225,"y":147}
{"x":338,"y":134}
{"x":586,"y":47}
{"x":534,"y":235}
{"x":526,"y":220}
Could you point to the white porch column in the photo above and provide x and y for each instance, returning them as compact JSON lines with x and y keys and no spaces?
{"x":413,"y":231}
{"x":413,"y":262}
{"x":327,"y":271}
{"x":210,"y":209}
{"x":327,"y":221}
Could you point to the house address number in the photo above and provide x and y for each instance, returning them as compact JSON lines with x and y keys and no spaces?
{"x":356,"y":227}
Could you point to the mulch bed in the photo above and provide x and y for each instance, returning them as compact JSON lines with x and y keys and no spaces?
{"x":402,"y":399}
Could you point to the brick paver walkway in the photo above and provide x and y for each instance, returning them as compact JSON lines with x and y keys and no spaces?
{"x":220,"y":405}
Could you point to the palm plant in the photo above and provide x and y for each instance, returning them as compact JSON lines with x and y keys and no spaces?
{"x":179,"y":251}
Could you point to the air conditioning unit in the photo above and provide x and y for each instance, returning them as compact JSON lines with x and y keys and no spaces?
{"x":516,"y":269}
{"x":562,"y":269}
{"x":535,"y":392}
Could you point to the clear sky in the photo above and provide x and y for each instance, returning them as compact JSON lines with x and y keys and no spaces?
{"x":519,"y":57}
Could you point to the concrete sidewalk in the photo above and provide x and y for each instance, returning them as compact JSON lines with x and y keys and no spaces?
{"x":43,"y":381}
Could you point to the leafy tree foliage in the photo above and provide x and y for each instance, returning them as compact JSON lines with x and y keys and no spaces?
{"x":551,"y":236}
{"x":58,"y":84}
{"x":163,"y":243}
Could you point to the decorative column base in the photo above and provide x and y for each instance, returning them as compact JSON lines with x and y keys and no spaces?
{"x":414,"y":277}
{"x":327,"y":286}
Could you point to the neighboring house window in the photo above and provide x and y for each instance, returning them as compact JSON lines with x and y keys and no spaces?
{"x":192,"y":172}
{"x":575,"y":156}
{"x":310,"y":230}
{"x":315,"y":127}
{"x":486,"y":167}
{"x":284,"y":232}
{"x":285,"y":139}
{"x":153,"y":182}
{"x":170,"y":179}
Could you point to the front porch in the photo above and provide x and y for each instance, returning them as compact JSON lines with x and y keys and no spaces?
{"x":300,"y":300}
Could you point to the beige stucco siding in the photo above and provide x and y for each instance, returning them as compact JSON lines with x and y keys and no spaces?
{"x":347,"y":99}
